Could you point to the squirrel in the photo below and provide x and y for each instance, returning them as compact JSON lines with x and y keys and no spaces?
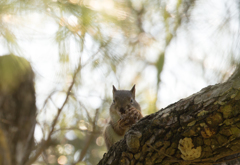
{"x":124,"y":112}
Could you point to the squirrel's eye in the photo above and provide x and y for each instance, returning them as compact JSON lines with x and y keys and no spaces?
{"x":131,"y":100}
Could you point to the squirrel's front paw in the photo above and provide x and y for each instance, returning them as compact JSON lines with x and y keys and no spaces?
{"x":131,"y":116}
{"x":124,"y":122}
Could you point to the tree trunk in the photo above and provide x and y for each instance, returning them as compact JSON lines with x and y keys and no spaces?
{"x":201,"y":129}
{"x":17,"y":110}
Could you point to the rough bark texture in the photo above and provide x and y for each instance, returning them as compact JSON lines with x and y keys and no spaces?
{"x":17,"y":110}
{"x":201,"y":129}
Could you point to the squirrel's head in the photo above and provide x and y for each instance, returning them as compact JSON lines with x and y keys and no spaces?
{"x":123,"y":99}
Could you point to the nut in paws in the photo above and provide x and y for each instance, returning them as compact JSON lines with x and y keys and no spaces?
{"x":131,"y":116}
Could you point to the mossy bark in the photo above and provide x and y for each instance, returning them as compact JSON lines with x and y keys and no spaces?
{"x":17,"y":110}
{"x":201,"y":129}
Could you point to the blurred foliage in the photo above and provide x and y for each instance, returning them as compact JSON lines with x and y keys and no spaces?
{"x":119,"y":39}
{"x":11,"y":71}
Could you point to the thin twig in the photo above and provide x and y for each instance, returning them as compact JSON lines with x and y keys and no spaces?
{"x":42,"y":146}
{"x":89,"y":139}
{"x":88,"y":115}
{"x":44,"y":157}
{"x":53,"y":102}
{"x":46,"y":101}
{"x":77,"y":129}
{"x":45,"y":143}
{"x":37,"y":123}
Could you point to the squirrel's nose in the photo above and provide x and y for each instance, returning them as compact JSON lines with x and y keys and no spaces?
{"x":122,"y":110}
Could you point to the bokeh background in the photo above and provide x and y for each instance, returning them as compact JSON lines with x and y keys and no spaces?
{"x":169,"y":48}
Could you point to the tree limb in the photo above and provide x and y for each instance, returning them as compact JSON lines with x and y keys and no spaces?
{"x":208,"y":120}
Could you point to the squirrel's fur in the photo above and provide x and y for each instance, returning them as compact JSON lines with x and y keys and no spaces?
{"x":124,"y":112}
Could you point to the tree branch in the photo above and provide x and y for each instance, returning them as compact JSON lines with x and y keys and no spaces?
{"x":208,"y":119}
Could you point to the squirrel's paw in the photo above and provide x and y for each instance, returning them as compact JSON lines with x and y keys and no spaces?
{"x":124,"y":122}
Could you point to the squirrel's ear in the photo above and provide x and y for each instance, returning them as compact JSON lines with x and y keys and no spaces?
{"x":114,"y":89}
{"x":133,"y":91}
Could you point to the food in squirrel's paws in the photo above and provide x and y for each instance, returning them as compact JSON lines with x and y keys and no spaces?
{"x":130,"y":117}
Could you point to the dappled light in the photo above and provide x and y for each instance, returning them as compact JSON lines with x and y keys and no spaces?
{"x":62,"y":159}
{"x":78,"y":49}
